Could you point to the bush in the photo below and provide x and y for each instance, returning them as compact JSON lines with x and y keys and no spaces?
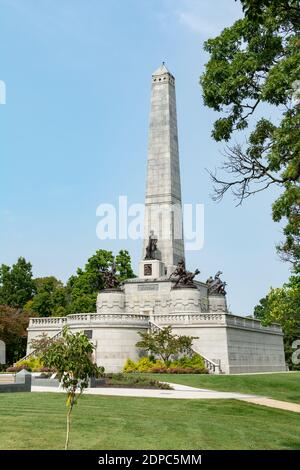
{"x":33,"y":364}
{"x":133,"y":381}
{"x":144,"y":364}
{"x":130,"y":366}
{"x":158,"y":363}
{"x":187,"y":362}
{"x":184,"y":365}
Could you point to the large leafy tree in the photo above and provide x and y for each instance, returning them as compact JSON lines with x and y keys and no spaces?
{"x":254,"y":9}
{"x":281,"y":305}
{"x":85,"y":286}
{"x":13,"y":325}
{"x":16,"y":284}
{"x":50,"y":298}
{"x":47,"y":296}
{"x":123,"y":265}
{"x":252,"y":81}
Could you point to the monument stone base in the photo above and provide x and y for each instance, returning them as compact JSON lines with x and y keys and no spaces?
{"x":151,"y":269}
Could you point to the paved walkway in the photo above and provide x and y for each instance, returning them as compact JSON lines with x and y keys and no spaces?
{"x":280,"y":405}
{"x":182,"y":392}
{"x":179,"y":391}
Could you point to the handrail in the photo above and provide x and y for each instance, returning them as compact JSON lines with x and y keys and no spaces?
{"x":32,"y":353}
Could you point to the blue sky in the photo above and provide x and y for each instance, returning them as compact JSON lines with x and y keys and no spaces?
{"x":73,"y":134}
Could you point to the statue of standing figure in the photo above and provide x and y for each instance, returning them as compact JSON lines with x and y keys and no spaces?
{"x":151,"y":248}
{"x":216,"y":285}
{"x":184,"y":278}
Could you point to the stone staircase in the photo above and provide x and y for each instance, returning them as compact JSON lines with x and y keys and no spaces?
{"x":32,"y":353}
{"x":213,"y":367}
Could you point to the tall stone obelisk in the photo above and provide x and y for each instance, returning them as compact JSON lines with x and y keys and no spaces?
{"x":163,"y":209}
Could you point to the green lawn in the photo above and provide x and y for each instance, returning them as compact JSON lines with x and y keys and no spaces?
{"x":285,"y":386}
{"x":37,"y":421}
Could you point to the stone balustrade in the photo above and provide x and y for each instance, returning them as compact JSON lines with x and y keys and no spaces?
{"x":252,"y":324}
{"x":89,"y":319}
{"x":57,"y":322}
{"x":108,"y":318}
{"x":83,"y":319}
{"x":189,"y":318}
{"x":216,"y":319}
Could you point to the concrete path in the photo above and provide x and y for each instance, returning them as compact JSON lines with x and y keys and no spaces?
{"x":179,"y":392}
{"x":280,"y":405}
{"x":182,"y":392}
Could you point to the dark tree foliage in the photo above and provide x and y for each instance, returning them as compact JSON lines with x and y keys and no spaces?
{"x":16,"y":283}
{"x":13,"y":325}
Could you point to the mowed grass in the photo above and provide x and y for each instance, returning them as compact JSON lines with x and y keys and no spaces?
{"x":37,"y":421}
{"x":285,"y":386}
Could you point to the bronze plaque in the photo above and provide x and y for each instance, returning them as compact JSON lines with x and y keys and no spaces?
{"x":147,"y":269}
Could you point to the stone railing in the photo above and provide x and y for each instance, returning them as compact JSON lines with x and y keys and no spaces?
{"x":32,"y":353}
{"x":190,"y":318}
{"x":252,"y":323}
{"x":83,"y":319}
{"x":222,"y":319}
{"x":58,"y":322}
{"x":212,"y":366}
{"x":107,"y":318}
{"x":140,"y":318}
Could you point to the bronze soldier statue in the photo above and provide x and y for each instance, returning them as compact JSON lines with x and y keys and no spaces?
{"x":216,"y":285}
{"x":110,"y":279}
{"x":184,"y":278}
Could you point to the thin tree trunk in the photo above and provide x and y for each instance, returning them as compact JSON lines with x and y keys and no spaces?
{"x":68,"y":426}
